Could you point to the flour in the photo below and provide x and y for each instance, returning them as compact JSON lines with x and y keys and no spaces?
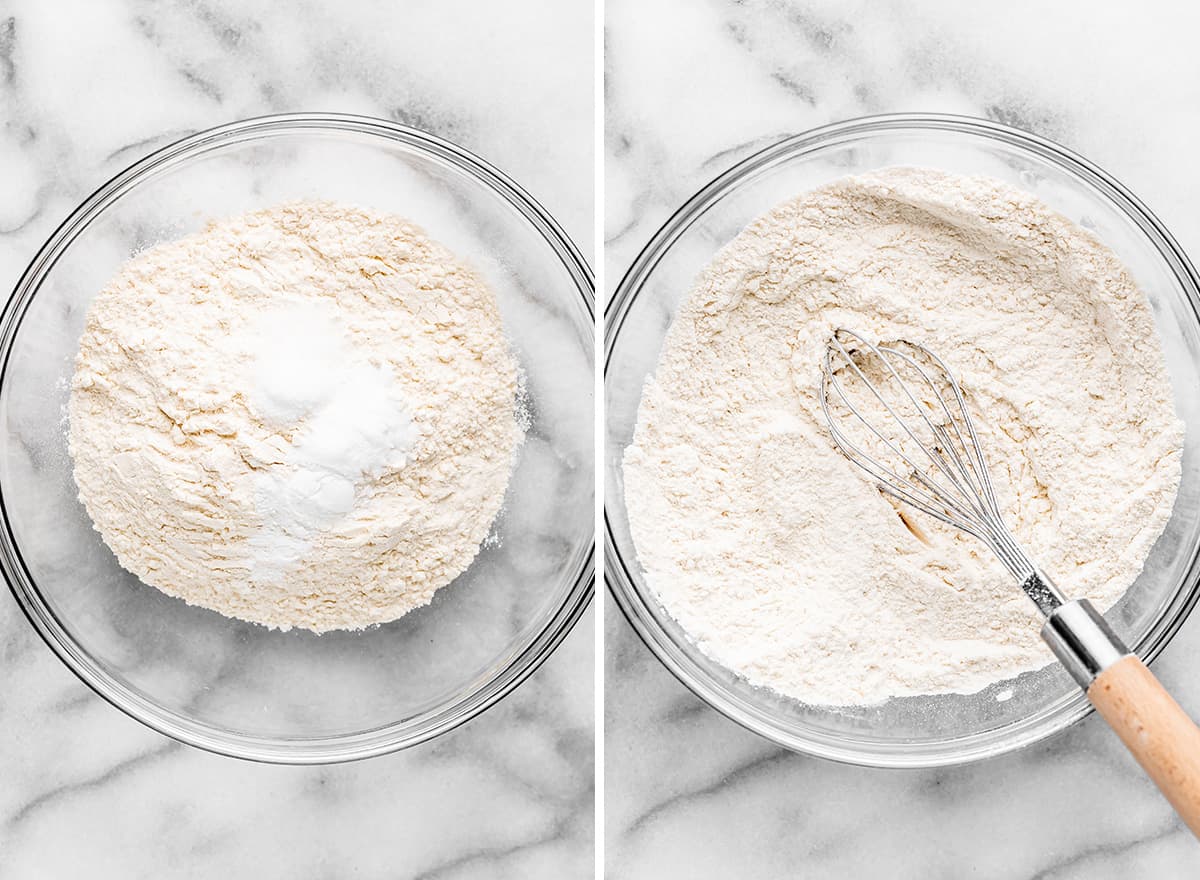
{"x":302,"y":416}
{"x":779,"y":557}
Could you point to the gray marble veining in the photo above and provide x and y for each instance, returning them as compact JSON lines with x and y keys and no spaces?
{"x":693,"y":87}
{"x":85,"y":89}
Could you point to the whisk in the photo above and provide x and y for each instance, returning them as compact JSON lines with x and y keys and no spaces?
{"x":898,"y":412}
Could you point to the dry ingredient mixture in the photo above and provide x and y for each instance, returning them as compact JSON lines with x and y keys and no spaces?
{"x":779,"y":557}
{"x":301,"y":417}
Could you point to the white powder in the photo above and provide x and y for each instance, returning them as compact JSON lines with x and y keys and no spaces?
{"x":779,"y":557}
{"x":302,"y":416}
{"x":349,"y":419}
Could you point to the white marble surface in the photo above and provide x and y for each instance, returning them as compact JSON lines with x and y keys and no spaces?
{"x":695,"y":86}
{"x":86,"y":87}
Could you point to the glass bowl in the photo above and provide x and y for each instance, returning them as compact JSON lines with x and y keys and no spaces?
{"x":911,"y":731}
{"x":295,"y":697}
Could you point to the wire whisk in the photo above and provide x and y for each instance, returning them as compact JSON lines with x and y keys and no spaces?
{"x":899,"y":413}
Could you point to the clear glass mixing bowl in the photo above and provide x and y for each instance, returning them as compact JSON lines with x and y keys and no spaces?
{"x":912,"y":731}
{"x":296,"y":697}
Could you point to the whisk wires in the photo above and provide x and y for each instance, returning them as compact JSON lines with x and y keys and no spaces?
{"x":915,"y":437}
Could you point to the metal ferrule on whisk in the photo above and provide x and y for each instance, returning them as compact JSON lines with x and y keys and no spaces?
{"x":1082,"y":641}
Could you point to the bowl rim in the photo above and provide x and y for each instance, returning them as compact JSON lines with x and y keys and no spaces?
{"x":485,"y":692}
{"x":633,"y":599}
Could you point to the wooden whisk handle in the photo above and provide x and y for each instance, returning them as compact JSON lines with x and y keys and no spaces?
{"x":1157,"y":732}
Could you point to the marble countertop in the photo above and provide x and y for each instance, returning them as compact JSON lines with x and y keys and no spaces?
{"x":87,"y":88}
{"x":693,"y":87}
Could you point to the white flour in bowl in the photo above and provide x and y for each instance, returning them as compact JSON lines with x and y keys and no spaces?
{"x":779,"y":557}
{"x":301,"y":417}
